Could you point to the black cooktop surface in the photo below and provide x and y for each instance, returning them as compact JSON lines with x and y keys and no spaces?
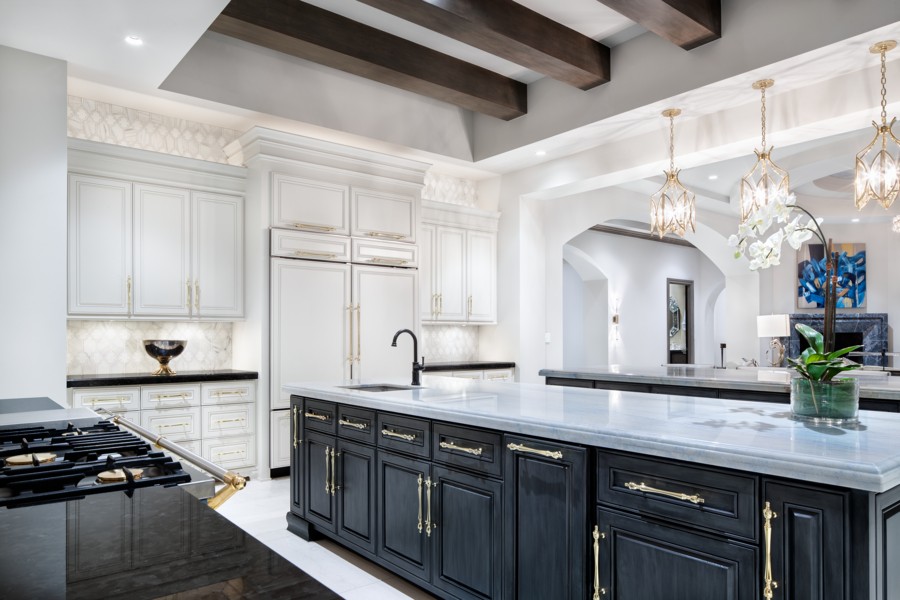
{"x":150,"y":543}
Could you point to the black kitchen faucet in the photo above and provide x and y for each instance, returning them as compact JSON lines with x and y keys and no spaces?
{"x":416,"y":366}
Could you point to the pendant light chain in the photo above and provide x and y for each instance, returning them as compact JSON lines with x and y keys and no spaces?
{"x":883,"y":87}
{"x":672,"y":143}
{"x":762,"y":89}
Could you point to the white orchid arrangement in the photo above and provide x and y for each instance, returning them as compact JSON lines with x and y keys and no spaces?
{"x":766,"y":253}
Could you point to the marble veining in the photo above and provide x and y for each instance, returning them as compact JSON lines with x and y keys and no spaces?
{"x":748,"y":436}
{"x":872,"y":326}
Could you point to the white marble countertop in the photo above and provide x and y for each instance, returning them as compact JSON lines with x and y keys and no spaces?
{"x":872,"y":384}
{"x":757,"y":437}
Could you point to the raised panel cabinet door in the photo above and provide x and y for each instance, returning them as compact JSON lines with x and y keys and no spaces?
{"x":403,"y":539}
{"x":635,"y":558}
{"x":481,"y":276}
{"x":162,"y":251}
{"x":99,"y":253}
{"x":320,"y":457}
{"x":386,"y":301}
{"x":298,"y":473}
{"x":809,"y":560}
{"x":545,"y":520}
{"x":451,"y":274}
{"x":467,"y":532}
{"x":355,"y":479}
{"x":310,"y":205}
{"x":218,"y":255}
{"x":309,"y":324}
{"x":427,"y":266}
{"x":383,"y":215}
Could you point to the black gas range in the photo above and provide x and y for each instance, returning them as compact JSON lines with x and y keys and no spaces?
{"x":41,"y":463}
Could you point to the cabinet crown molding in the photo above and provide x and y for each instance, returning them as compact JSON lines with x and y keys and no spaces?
{"x":443,"y":213}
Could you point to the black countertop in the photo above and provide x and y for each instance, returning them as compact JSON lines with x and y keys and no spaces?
{"x":158,"y":543}
{"x":473,"y":365}
{"x":80,"y":381}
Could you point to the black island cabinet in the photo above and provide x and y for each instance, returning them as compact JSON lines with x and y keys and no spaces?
{"x":473,"y":513}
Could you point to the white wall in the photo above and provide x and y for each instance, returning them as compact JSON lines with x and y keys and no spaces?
{"x":32,"y":225}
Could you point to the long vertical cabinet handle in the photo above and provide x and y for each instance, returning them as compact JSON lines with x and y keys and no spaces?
{"x":419,"y":482}
{"x":327,"y":484}
{"x":296,"y":429}
{"x":770,"y":583}
{"x":598,"y":591}
{"x":434,"y":306}
{"x":334,"y":486}
{"x":469,"y":307}
{"x":189,"y":295}
{"x":128,"y":293}
{"x":197,"y":295}
{"x":349,"y":309}
{"x":428,"y":523}
{"x":440,"y":304}
{"x":358,"y":333}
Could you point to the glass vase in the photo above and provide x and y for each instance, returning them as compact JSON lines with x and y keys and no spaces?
{"x":833,"y":402}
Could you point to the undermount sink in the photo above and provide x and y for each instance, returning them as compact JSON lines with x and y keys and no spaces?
{"x":380,"y":387}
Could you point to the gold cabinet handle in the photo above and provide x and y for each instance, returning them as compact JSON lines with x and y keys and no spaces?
{"x":310,"y":414}
{"x":388,"y":261}
{"x":597,"y":535}
{"x":642,"y":487}
{"x":419,"y":483}
{"x":770,"y":583}
{"x":197,"y":295}
{"x":171,"y":425}
{"x":221,"y":393}
{"x":349,"y":309}
{"x":469,"y":306}
{"x":105,"y":400}
{"x":360,"y":426}
{"x":433,"y":306}
{"x":333,"y":471}
{"x":497,"y":377}
{"x":296,"y":429}
{"x":452,"y":446}
{"x":385,"y":235}
{"x":312,"y":226}
{"x":229,"y":453}
{"x":189,"y":295}
{"x":128,"y":292}
{"x":403,"y":436}
{"x":440,"y":304}
{"x":180,"y":396}
{"x":358,"y":333}
{"x":311,"y":254}
{"x":428,"y":524}
{"x":327,"y":484}
{"x":548,"y":453}
{"x":236,"y":420}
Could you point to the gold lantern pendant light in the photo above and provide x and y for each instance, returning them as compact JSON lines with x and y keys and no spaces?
{"x":878,"y":165}
{"x":672,"y":207}
{"x":766,"y":181}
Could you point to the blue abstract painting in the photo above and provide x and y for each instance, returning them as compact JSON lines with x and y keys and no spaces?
{"x":851,"y":272}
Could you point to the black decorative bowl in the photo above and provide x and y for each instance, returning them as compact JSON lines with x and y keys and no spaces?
{"x":164,"y":351}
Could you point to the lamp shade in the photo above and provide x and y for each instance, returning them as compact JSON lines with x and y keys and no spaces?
{"x":773,"y":326}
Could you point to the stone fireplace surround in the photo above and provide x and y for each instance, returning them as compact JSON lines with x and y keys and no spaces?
{"x":872,"y":326}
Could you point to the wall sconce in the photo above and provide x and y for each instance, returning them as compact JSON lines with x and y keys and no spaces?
{"x":774,"y":326}
{"x":615,"y":318}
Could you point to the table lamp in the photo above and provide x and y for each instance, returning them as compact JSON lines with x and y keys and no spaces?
{"x":774,"y":326}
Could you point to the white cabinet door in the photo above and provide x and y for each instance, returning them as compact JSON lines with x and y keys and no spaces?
{"x":281,"y":439}
{"x":481,"y":276}
{"x":310,"y":205}
{"x":218,"y":255}
{"x":386,"y":301}
{"x":450,"y":273}
{"x":382,"y":215}
{"x":162,"y":256}
{"x":427,"y":256}
{"x":310,"y":324}
{"x":99,"y":253}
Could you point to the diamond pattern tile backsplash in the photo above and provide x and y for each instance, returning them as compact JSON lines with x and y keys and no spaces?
{"x":443,"y":343}
{"x":103,"y":347}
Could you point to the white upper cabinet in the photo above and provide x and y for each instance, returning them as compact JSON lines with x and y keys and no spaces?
{"x":310,"y":205}
{"x":458,"y":272}
{"x":383,"y":216}
{"x":99,"y":253}
{"x":218,"y":255}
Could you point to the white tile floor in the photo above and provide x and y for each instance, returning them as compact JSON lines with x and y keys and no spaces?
{"x":260,"y":508}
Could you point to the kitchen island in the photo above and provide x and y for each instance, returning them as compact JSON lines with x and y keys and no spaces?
{"x":504,"y":490}
{"x":877,"y":389}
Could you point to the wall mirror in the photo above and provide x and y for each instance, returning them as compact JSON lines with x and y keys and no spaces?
{"x":679,"y":321}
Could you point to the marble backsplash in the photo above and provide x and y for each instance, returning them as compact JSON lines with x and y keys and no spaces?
{"x":443,"y":343}
{"x":103,"y":347}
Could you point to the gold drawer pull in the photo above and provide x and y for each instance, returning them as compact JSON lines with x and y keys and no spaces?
{"x":296,"y":429}
{"x":597,"y":535}
{"x":642,"y":487}
{"x":312,"y":226}
{"x":771,"y":584}
{"x":419,"y":483}
{"x":388,"y":261}
{"x":237,"y":420}
{"x":360,"y":426}
{"x":429,"y":525}
{"x":494,"y":377}
{"x":403,"y":436}
{"x":311,"y":254}
{"x":171,"y":425}
{"x":220,"y":393}
{"x":180,"y":396}
{"x":452,"y":446}
{"x":548,"y":453}
{"x":317,"y":416}
{"x":387,"y":236}
{"x":229,"y":453}
{"x":106,"y":400}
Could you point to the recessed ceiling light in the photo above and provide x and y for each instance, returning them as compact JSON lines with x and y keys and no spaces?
{"x":713,"y":177}
{"x":134,"y":40}
{"x":540,"y":153}
{"x":854,"y":220}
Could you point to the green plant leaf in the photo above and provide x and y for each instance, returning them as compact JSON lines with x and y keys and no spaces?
{"x":815,"y":339}
{"x":842,"y":352}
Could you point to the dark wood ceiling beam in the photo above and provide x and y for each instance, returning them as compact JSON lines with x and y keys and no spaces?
{"x":687,"y":23}
{"x":310,"y":33}
{"x":512,"y":31}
